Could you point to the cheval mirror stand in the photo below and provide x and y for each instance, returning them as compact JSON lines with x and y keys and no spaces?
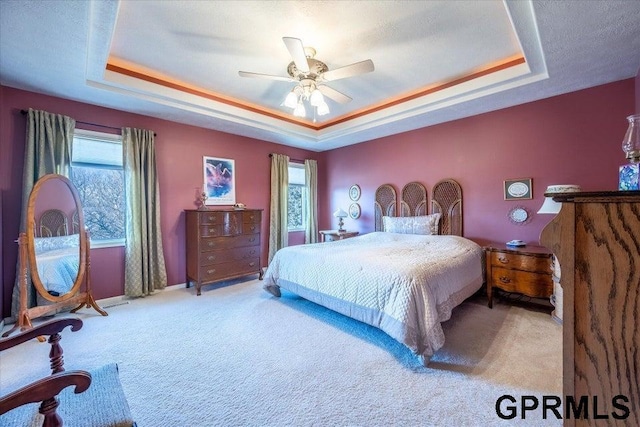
{"x":56,"y":188}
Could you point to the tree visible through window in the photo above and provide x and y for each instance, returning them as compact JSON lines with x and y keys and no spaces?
{"x":96,"y":171}
{"x":297,"y":198}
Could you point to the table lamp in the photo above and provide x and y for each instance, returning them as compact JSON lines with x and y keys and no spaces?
{"x":552,"y":207}
{"x":340,"y":214}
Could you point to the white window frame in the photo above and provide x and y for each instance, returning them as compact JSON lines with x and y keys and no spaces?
{"x":107,"y":137}
{"x":304,"y":196}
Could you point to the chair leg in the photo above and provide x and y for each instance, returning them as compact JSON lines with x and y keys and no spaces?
{"x":48,"y":409}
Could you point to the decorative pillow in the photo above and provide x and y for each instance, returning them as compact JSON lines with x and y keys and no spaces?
{"x":425,"y":224}
{"x":45,"y":244}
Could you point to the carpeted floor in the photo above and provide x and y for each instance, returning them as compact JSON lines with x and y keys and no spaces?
{"x":236,"y":356}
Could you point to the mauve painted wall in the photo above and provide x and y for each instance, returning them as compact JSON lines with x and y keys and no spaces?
{"x":568,"y":139}
{"x":179,"y":150}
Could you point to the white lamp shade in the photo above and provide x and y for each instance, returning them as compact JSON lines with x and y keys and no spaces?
{"x":299,"y":111}
{"x":323,"y":109}
{"x":291,"y":101}
{"x":316,"y":98}
{"x":340,"y":213}
{"x":552,"y":207}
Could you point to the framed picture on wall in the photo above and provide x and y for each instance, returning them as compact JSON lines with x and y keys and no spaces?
{"x":219,"y":181}
{"x":518,"y":189}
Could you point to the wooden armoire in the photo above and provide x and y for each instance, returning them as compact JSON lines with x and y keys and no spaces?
{"x":596,"y":240}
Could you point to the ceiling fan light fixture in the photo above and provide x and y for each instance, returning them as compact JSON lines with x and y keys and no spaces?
{"x":322,"y":109}
{"x":299,"y":111}
{"x":291,"y":101}
{"x":316,"y":99}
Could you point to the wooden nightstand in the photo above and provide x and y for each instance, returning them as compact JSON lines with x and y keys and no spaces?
{"x":331,"y":235}
{"x":525,"y":270}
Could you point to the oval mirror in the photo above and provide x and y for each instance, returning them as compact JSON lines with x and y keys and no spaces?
{"x":56,"y":239}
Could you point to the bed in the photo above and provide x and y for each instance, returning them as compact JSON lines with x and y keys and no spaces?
{"x":405,"y":278}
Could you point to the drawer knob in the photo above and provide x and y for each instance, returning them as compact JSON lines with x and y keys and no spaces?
{"x":211,"y":271}
{"x":210,"y":244}
{"x":252,"y":239}
{"x":251,"y":264}
{"x":505,"y":279}
{"x":211,"y":257}
{"x":503,"y":260}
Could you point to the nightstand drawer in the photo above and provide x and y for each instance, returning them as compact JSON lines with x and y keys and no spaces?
{"x":520,"y":262}
{"x":527,"y":283}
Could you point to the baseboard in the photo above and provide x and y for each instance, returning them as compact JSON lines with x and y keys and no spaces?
{"x":123,"y":299}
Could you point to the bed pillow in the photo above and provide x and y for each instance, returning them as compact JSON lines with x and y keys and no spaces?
{"x":45,"y":244}
{"x":424,"y":224}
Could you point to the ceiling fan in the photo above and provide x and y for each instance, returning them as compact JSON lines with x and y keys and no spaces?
{"x":310,"y":76}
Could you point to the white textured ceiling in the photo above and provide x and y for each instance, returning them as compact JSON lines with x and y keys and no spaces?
{"x":435,"y":61}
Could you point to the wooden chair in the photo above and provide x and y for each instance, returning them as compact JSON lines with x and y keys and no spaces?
{"x":16,"y":408}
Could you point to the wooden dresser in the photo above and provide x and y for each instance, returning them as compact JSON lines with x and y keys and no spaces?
{"x":525,"y":270}
{"x":222,"y":245}
{"x":596,"y":240}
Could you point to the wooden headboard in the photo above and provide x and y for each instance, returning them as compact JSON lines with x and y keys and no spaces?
{"x":54,"y":223}
{"x":446,"y":199}
{"x":414,"y":200}
{"x":385,"y":204}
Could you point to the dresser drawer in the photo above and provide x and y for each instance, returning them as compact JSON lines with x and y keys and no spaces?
{"x":253,"y":217}
{"x":520,"y":262}
{"x":225,"y":270}
{"x":225,"y":229}
{"x":237,"y":254}
{"x":224,"y":242}
{"x":251,"y":228}
{"x":536,"y":285}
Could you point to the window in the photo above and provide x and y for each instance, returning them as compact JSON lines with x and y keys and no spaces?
{"x":296,"y":214}
{"x":96,"y":171}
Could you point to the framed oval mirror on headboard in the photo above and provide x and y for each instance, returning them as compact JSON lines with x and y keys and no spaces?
{"x":56,"y":242}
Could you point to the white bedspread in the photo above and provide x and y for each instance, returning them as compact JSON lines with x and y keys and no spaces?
{"x":403,"y":284}
{"x":58,"y":269}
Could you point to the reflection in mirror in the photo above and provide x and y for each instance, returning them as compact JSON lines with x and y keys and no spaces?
{"x":56,"y":246}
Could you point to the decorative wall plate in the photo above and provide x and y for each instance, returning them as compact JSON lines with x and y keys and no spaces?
{"x":518,"y":215}
{"x":354,"y":211}
{"x":354,"y":192}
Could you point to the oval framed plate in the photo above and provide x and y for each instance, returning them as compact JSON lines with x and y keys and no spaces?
{"x":354,"y":211}
{"x":354,"y":192}
{"x":518,"y":215}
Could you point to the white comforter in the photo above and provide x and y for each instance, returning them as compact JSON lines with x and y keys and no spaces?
{"x":403,"y":284}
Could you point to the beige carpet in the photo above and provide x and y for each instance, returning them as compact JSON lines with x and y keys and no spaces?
{"x":236,"y":356}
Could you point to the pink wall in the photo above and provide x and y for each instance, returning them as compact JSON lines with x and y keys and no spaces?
{"x":179,"y":151}
{"x":569,"y":139}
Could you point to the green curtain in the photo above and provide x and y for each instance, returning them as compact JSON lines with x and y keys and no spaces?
{"x":48,"y":146}
{"x":311,"y":179}
{"x":145,"y":269}
{"x":278,"y":232}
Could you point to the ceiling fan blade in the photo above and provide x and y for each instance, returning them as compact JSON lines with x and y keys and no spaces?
{"x":264,"y":76}
{"x":339,"y":97}
{"x":296,"y":50}
{"x":349,"y":70}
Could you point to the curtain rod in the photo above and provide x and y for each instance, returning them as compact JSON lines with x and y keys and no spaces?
{"x":292,"y":160}
{"x":24,"y":113}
